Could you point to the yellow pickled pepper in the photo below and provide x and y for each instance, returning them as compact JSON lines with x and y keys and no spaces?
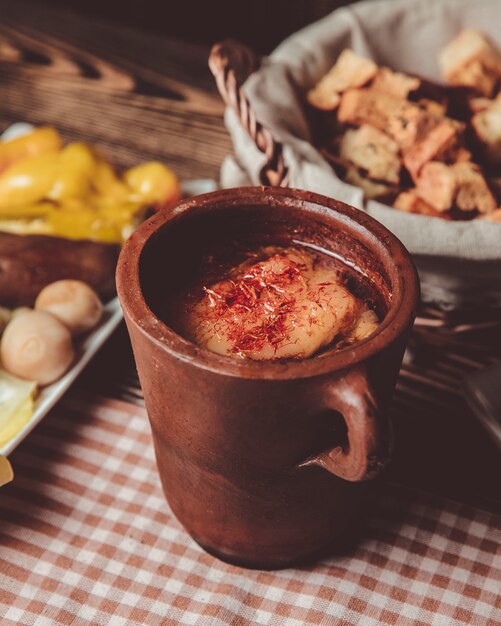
{"x":153,"y":183}
{"x":28,"y":180}
{"x":75,"y":172}
{"x":73,"y":192}
{"x":38,"y":141}
{"x":106,"y":183}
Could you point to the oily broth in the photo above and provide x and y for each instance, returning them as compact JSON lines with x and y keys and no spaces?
{"x":231,"y":261}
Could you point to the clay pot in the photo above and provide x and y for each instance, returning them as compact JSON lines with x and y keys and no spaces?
{"x":266,"y":463}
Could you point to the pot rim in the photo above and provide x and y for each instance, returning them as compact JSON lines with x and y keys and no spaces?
{"x":397,"y":320}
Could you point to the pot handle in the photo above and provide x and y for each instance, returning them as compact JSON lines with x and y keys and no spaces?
{"x":232,"y":63}
{"x":369,"y":445}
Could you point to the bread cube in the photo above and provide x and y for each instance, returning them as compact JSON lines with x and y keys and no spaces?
{"x":473,"y":193}
{"x":437,"y":185}
{"x":373,"y":151}
{"x":350,"y":70}
{"x":487,"y":125}
{"x":410,"y":202}
{"x":373,"y":190}
{"x":471,"y":60}
{"x":435,"y":142}
{"x":367,"y":106}
{"x":495,"y":216}
{"x":395,"y":84}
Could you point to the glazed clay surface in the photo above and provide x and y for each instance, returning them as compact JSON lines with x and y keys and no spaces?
{"x":266,"y":463}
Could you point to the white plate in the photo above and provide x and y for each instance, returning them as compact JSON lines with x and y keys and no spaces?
{"x":86,"y":349}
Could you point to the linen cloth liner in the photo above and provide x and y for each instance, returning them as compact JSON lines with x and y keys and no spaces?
{"x":88,"y":539}
{"x":405,"y":35}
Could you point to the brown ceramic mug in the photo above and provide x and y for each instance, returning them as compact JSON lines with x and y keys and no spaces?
{"x":266,"y":463}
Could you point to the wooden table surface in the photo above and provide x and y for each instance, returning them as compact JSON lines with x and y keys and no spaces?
{"x":140,"y":97}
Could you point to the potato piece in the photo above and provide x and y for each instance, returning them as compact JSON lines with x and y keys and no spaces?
{"x":36,"y":346}
{"x":316,"y":308}
{"x":350,"y":70}
{"x":372,"y":150}
{"x":437,"y":185}
{"x":73,"y":302}
{"x":436,"y":141}
{"x":395,"y":84}
{"x":410,"y":202}
{"x":471,"y":60}
{"x":472,"y":190}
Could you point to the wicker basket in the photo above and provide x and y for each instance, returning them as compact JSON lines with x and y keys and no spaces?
{"x":460,"y":292}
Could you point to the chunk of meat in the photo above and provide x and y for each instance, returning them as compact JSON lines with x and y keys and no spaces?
{"x":30,"y":262}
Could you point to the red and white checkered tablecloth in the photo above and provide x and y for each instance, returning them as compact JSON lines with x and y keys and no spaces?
{"x":88,"y":539}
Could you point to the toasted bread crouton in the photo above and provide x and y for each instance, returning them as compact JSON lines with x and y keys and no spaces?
{"x":471,"y":60}
{"x":373,"y":151}
{"x":366,"y":106}
{"x":437,"y":109}
{"x":338,"y":164}
{"x":456,"y":154}
{"x":350,"y":70}
{"x":487,"y":125}
{"x":476,"y":75}
{"x":495,"y":185}
{"x":437,"y":185}
{"x":495,"y":216}
{"x":477,"y":105}
{"x":410,"y":202}
{"x":439,"y":139}
{"x":404,"y":121}
{"x":410,"y":123}
{"x":324,"y":99}
{"x":473,"y":193}
{"x":372,"y":190}
{"x":394,"y":84}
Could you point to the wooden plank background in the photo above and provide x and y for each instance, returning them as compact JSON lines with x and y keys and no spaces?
{"x":261,"y":24}
{"x":139,"y":96}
